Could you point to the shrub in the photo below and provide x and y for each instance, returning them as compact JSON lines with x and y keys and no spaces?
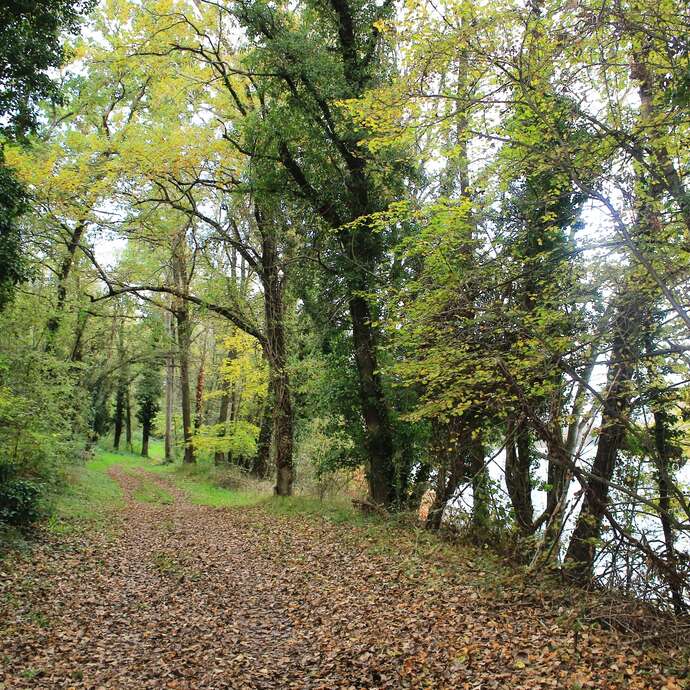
{"x":20,"y":499}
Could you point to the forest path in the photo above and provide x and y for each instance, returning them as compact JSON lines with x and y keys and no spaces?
{"x":190,"y":597}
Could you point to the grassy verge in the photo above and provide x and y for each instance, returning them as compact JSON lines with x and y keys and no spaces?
{"x":336,"y":511}
{"x":89,"y":499}
{"x":92,"y":496}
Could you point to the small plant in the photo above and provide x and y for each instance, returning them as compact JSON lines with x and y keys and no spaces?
{"x":19,"y":498}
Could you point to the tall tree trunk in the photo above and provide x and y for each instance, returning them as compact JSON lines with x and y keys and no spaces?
{"x":276,"y":354}
{"x":625,"y":350}
{"x":119,"y":416}
{"x":184,"y":341}
{"x":200,"y":384}
{"x":121,"y":391}
{"x":664,"y":483}
{"x":262,"y":459}
{"x":77,"y":352}
{"x":219,"y":457}
{"x":145,"y":433}
{"x":518,"y":481}
{"x":169,"y":390}
{"x":128,"y":421}
{"x":378,"y":439}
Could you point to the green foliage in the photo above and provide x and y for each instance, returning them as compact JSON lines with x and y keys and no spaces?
{"x":148,"y":393}
{"x":30,"y":46}
{"x":237,"y":438}
{"x":13,"y":202}
{"x":20,"y":499}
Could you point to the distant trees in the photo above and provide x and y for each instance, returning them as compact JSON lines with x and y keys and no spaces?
{"x":148,"y":393}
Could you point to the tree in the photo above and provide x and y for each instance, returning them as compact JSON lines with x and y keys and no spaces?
{"x":30,"y":45}
{"x":148,"y":393}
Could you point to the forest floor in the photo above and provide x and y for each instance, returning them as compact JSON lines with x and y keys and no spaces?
{"x":139,"y":586}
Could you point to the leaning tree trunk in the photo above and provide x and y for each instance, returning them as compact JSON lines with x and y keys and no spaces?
{"x":62,"y":276}
{"x":583,"y":542}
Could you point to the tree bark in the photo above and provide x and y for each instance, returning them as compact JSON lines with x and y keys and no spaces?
{"x":184,"y":341}
{"x":625,"y":349}
{"x":62,"y":276}
{"x":121,"y":391}
{"x":276,"y":354}
{"x":200,"y":384}
{"x":518,"y":481}
{"x":128,"y":421}
{"x":664,"y":483}
{"x":262,"y":459}
{"x":169,"y":390}
{"x":145,"y":433}
{"x":119,"y":416}
{"x":378,"y":439}
{"x":481,"y":491}
{"x":219,"y":457}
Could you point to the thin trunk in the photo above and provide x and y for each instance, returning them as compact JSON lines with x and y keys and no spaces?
{"x":481,"y":489}
{"x":128,"y":421}
{"x":664,"y":483}
{"x":200,"y":384}
{"x":184,"y":341}
{"x":262,"y":459}
{"x":121,"y":391}
{"x":219,"y":457}
{"x":169,"y":391}
{"x":455,"y":449}
{"x":77,"y":353}
{"x":559,"y":476}
{"x":145,"y":432}
{"x":119,"y":416}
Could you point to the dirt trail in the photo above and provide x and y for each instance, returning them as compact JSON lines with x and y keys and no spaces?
{"x":194,"y":598}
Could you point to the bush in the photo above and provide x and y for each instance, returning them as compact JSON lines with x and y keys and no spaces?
{"x":20,"y":499}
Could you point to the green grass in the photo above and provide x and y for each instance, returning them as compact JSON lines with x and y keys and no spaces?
{"x":331,"y":510}
{"x":201,"y":483}
{"x":90,"y":497}
{"x":150,"y":492}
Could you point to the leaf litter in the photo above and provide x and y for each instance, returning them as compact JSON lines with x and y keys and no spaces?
{"x":188,"y":597}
